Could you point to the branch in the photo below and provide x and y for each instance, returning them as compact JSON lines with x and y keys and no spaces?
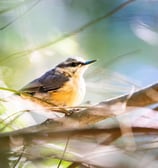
{"x":140,"y":98}
{"x":101,"y":111}
{"x":90,"y":115}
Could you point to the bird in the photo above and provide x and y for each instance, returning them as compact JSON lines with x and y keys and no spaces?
{"x":61,"y":86}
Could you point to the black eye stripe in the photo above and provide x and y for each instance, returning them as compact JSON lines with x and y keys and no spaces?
{"x":71,"y":64}
{"x":74,"y":64}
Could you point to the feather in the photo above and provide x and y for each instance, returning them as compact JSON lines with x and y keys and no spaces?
{"x":51,"y":80}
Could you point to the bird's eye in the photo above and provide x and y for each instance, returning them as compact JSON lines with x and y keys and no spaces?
{"x":74,"y":64}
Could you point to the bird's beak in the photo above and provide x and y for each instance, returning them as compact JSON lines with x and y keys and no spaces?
{"x":89,"y":62}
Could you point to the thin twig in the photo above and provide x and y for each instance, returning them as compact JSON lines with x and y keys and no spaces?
{"x":66,"y":35}
{"x":13,"y":7}
{"x":115,"y":59}
{"x":10,"y":90}
{"x":19,"y":158}
{"x":62,"y":157}
{"x":12,"y":121}
{"x":16,"y":18}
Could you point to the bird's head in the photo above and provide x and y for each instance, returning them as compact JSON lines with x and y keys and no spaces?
{"x":74,"y":66}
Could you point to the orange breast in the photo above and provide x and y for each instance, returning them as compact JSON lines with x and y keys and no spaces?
{"x":63,"y":98}
{"x":71,"y":94}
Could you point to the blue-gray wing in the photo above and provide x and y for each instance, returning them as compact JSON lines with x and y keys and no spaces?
{"x":51,"y":80}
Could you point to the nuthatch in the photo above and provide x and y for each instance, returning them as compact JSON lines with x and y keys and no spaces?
{"x":62,"y":86}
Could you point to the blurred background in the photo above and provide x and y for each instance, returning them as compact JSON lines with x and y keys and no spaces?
{"x":125,"y":44}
